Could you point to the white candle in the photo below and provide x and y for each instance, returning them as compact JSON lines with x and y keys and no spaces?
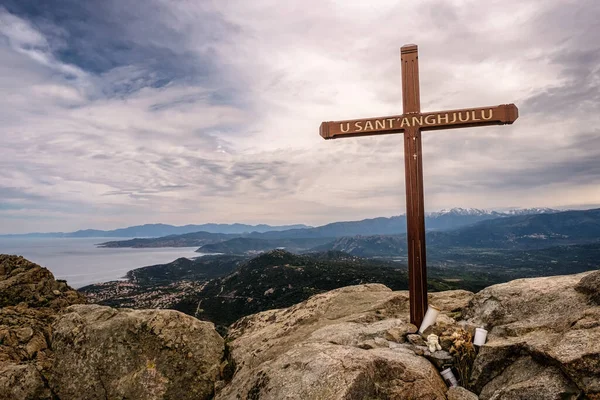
{"x":480,"y":336}
{"x":449,"y":377}
{"x":430,"y":317}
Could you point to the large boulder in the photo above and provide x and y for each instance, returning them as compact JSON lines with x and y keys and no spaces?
{"x":543,"y":340}
{"x":30,"y":300}
{"x":343,"y":344}
{"x":104,"y":353}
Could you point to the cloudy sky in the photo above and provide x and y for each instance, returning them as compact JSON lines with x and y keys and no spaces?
{"x":118,"y":112}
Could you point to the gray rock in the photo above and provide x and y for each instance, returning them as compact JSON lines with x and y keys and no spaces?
{"x":446,"y":342}
{"x":525,"y":305}
{"x":374,"y":343}
{"x":541,"y":319}
{"x":328,"y":371}
{"x":101,"y":353}
{"x":22,"y":382}
{"x":415,"y":339}
{"x":528,"y":379}
{"x":356,"y":334}
{"x":590,"y":285}
{"x":460,"y":393}
{"x":418,"y":350}
{"x":312,"y":350}
{"x":440,"y":358}
{"x":451,"y":301}
{"x":397,"y":334}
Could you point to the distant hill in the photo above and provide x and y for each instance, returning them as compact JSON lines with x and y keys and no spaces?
{"x":279,"y":279}
{"x":368,"y":246}
{"x":199,"y":269}
{"x":506,"y":263}
{"x":459,"y":217}
{"x":372,"y":226}
{"x":158,"y":230}
{"x":526,"y":231}
{"x":443,"y":220}
{"x":187,"y":240}
{"x":516,"y":232}
{"x":247,"y":245}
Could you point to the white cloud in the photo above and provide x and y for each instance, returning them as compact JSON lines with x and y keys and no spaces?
{"x":240,"y":142}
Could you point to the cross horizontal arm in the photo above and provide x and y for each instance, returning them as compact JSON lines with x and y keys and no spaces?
{"x":469,"y":117}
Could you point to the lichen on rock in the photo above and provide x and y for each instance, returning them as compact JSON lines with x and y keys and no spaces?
{"x":134,"y":354}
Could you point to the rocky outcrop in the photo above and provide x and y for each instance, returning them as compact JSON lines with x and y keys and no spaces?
{"x":543,"y":341}
{"x":23,"y":282}
{"x":134,"y":354}
{"x":30,"y":300}
{"x":343,"y":344}
{"x":50,"y":351}
{"x":349,"y":343}
{"x":590,"y":286}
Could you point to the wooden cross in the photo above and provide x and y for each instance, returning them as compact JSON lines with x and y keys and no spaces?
{"x":411,"y":123}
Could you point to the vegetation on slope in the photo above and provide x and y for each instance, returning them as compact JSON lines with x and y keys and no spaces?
{"x":199,"y":269}
{"x":279,"y":279}
{"x":253,"y":245}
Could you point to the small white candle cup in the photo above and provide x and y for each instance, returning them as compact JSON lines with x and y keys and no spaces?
{"x":480,"y":337}
{"x":430,"y":317}
{"x":449,"y":378}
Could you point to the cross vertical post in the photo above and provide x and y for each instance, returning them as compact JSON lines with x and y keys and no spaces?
{"x":415,"y":210}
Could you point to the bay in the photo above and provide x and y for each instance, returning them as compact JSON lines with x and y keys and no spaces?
{"x":80,"y":262}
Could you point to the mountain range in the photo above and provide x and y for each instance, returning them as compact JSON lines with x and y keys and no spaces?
{"x":157,"y":230}
{"x":536,"y":231}
{"x":442,"y":220}
{"x":516,"y":231}
{"x":448,"y":220}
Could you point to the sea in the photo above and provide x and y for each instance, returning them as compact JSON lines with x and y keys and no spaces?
{"x":81,"y":262}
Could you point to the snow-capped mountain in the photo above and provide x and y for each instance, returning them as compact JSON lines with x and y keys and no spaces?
{"x":458,"y":211}
{"x":462,"y":212}
{"x":528,"y":211}
{"x":457,"y":217}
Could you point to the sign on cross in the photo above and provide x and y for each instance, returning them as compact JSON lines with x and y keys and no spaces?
{"x":412,"y":122}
